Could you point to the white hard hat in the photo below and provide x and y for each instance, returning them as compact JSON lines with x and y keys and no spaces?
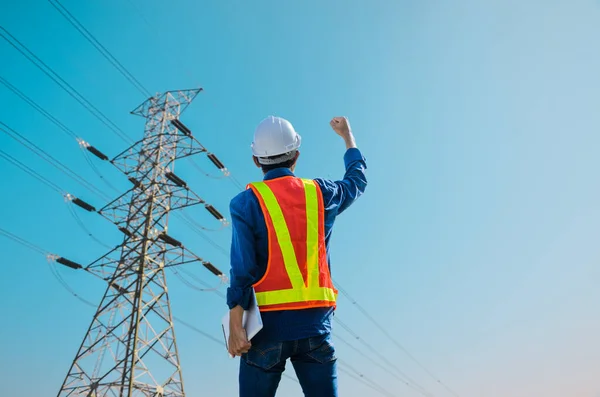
{"x":274,"y":136}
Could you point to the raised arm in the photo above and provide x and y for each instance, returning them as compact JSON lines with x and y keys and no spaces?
{"x":339,"y":195}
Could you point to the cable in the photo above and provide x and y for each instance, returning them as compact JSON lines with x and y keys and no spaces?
{"x":51,"y":160}
{"x":42,"y":251}
{"x":205,"y":334}
{"x":55,"y":188}
{"x":378,"y":364}
{"x":23,"y":242}
{"x":59,"y":124}
{"x":31,"y":172}
{"x":48,"y":71}
{"x":236,"y":182}
{"x":199,"y":226}
{"x":85,"y":229}
{"x":415,"y":386}
{"x":208,"y":288}
{"x":200,"y":170}
{"x":217,"y":341}
{"x":392,"y":339}
{"x":204,"y":236}
{"x":362,"y":379}
{"x":105,"y":53}
{"x":97,"y":171}
{"x":66,"y":286}
{"x":37,"y":107}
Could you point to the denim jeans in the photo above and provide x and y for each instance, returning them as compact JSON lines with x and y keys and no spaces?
{"x":313,"y":359}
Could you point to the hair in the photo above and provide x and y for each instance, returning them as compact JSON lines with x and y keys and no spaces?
{"x":284,"y":164}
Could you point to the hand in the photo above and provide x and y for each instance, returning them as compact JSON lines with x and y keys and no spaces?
{"x":341,"y":126}
{"x":238,"y":341}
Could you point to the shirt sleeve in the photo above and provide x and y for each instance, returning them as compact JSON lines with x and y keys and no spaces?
{"x":339,"y":195}
{"x":244,"y":266}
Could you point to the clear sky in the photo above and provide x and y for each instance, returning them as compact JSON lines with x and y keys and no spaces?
{"x":476,"y":242}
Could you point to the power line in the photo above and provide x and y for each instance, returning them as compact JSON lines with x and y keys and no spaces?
{"x":84,"y":228}
{"x":54,"y":187}
{"x":59,"y":124}
{"x":23,"y":242}
{"x":393,"y":340}
{"x":199,"y":226}
{"x":378,"y":364}
{"x":105,"y":53}
{"x":37,"y":107}
{"x":236,"y":182}
{"x":205,"y":334}
{"x":66,"y":286}
{"x":208,"y":288}
{"x":51,"y":160}
{"x":42,"y":251}
{"x":202,"y":235}
{"x":415,"y":385}
{"x":48,"y":71}
{"x":97,"y":171}
{"x":358,"y":376}
{"x":217,"y":341}
{"x":201,"y":170}
{"x":31,"y":172}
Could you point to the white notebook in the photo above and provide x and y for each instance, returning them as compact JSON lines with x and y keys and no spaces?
{"x":251,"y":321}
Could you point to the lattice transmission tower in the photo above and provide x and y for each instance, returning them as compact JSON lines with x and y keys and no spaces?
{"x":130,"y":347}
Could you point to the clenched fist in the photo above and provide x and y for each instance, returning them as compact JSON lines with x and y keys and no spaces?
{"x":341,"y":126}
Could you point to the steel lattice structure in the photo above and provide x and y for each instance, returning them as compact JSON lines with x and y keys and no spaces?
{"x":130,"y":347}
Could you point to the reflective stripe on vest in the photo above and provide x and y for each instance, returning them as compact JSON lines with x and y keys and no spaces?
{"x":300,"y":292}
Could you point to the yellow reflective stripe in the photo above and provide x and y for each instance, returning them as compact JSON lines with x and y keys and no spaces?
{"x":295,"y":295}
{"x":312,"y":232}
{"x":283,"y":235}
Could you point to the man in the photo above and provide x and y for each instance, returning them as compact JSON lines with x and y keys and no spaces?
{"x":280,"y":249}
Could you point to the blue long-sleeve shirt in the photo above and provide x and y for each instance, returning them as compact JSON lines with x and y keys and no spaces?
{"x":249,"y":250}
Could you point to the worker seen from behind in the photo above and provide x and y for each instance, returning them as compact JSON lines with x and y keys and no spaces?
{"x":280,"y":249}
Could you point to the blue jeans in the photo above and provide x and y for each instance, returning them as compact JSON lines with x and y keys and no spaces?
{"x":313,"y":359}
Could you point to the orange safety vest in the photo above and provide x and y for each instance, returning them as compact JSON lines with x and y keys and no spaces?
{"x":297,"y":275}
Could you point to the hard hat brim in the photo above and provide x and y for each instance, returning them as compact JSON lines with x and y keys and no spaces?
{"x":295,"y":146}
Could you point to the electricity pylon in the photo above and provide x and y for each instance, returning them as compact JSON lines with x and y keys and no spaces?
{"x":130,"y":347}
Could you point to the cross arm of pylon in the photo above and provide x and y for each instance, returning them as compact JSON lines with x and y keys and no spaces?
{"x":183,"y":145}
{"x":171,"y":252}
{"x":125,"y":209}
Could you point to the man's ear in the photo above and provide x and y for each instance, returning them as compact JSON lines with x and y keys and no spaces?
{"x":255,"y":159}
{"x":293,"y":167}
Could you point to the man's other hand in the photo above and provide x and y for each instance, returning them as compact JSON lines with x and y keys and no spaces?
{"x":238,"y":341}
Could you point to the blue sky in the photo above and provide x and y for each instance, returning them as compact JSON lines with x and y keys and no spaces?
{"x":476,"y":242}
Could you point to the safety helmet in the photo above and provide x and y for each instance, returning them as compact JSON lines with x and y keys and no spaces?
{"x":274,"y":136}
